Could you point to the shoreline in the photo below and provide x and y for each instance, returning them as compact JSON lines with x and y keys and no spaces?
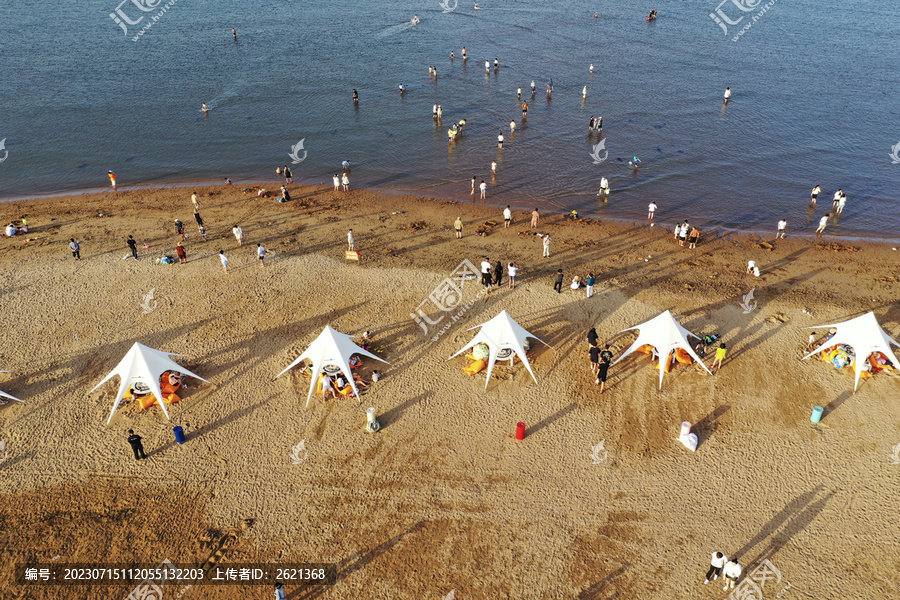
{"x":720,"y":230}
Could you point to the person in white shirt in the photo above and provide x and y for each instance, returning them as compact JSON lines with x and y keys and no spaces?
{"x":327,"y":387}
{"x":507,"y":217}
{"x":279,"y":588}
{"x":837,"y":198}
{"x":822,"y":223}
{"x":732,"y":572}
{"x":715,"y":568}
{"x":547,"y":241}
{"x":727,"y":93}
{"x":261,"y":254}
{"x":434,"y":112}
{"x":782,"y":225}
{"x":751,"y":264}
{"x":604,"y":187}
{"x":815,"y":195}
{"x":350,"y":241}
{"x":486,"y":279}
{"x":487,"y":65}
{"x":224,"y":260}
{"x":500,"y":140}
{"x":841,"y":203}
{"x":651,"y":210}
{"x":345,"y":182}
{"x":512,"y":126}
{"x":10,"y":230}
{"x":483,"y":188}
{"x":238,"y":234}
{"x":494,"y":167}
{"x":512,"y":269}
{"x":337,"y":182}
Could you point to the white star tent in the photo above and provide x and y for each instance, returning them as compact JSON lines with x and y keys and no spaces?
{"x":145,"y":365}
{"x":665,"y":334}
{"x":865,"y":336}
{"x":330,"y":348}
{"x":501,"y":333}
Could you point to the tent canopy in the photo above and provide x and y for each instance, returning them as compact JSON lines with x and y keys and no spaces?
{"x":865,"y":336}
{"x":665,"y":334}
{"x":500,"y":333}
{"x":331,"y":348}
{"x":145,"y":365}
{"x":5,"y":395}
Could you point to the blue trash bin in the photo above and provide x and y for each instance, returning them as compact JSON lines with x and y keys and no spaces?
{"x":179,"y":435}
{"x":817,"y":414}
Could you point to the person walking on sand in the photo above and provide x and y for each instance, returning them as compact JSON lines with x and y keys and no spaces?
{"x":498,"y":273}
{"x":507,"y":217}
{"x":557,"y":285}
{"x":651,"y":211}
{"x":513,"y":270}
{"x":594,"y":356}
{"x":224,"y":260}
{"x":715,"y":569}
{"x":279,"y":591}
{"x":179,"y":229}
{"x":112,"y":180}
{"x":782,"y":225}
{"x":486,"y":279}
{"x":535,"y":217}
{"x":261,"y":255}
{"x":814,"y":195}
{"x":132,"y":245}
{"x":182,"y":255}
{"x":195,"y":201}
{"x":238,"y":234}
{"x":693,"y":237}
{"x":589,"y":284}
{"x":822,"y":223}
{"x":603,"y":370}
{"x":336,"y":181}
{"x":546,"y":244}
{"x":720,"y":356}
{"x":592,"y":336}
{"x":732,"y":572}
{"x":345,"y":182}
{"x":457,"y":225}
{"x":136,"y":445}
{"x":483,"y":188}
{"x":351,"y":243}
{"x":75,"y":247}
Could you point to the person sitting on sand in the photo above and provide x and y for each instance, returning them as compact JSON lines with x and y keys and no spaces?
{"x":577,"y":282}
{"x":10,"y":230}
{"x":327,"y":386}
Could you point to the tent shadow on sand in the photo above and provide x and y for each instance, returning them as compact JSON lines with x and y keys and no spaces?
{"x":357,"y":561}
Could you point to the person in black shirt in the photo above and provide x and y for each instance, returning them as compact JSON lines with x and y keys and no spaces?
{"x":133,"y":245}
{"x":559,"y":279}
{"x":136,"y":445}
{"x":592,"y":337}
{"x":594,"y":353}
{"x":607,"y":354}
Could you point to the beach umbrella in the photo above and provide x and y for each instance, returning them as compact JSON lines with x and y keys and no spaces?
{"x":331,"y":348}
{"x":665,"y":334}
{"x":144,"y":365}
{"x":865,"y":335}
{"x":501,"y":333}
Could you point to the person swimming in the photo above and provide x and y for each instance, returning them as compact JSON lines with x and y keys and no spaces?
{"x":476,"y":6}
{"x":415,"y":20}
{"x":204,"y":107}
{"x":452,"y":55}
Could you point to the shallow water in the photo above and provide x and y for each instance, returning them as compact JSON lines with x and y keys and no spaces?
{"x":815,"y":101}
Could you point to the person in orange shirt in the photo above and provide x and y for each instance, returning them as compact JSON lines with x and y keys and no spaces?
{"x":112,"y":180}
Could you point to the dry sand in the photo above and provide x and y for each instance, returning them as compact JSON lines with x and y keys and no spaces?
{"x":443,"y":497}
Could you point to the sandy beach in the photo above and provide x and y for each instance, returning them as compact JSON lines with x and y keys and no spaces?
{"x":443,"y":497}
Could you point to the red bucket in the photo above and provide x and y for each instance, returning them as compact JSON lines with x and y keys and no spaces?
{"x":520,"y":431}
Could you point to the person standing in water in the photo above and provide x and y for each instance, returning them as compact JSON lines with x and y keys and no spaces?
{"x":234,"y":33}
{"x":500,"y":141}
{"x":355,"y":97}
{"x":204,"y":107}
{"x":512,"y":126}
{"x":112,"y":180}
{"x":727,"y":94}
{"x":496,"y":64}
{"x":487,"y":65}
{"x":584,"y":93}
{"x":464,"y":55}
{"x":524,"y":110}
{"x":533,"y":88}
{"x":815,"y":195}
